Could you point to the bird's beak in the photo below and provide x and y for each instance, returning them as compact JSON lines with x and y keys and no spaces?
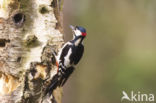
{"x":73,"y":30}
{"x":72,"y":27}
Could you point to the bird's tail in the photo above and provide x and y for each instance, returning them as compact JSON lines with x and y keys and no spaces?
{"x":59,"y":80}
{"x":53,"y":85}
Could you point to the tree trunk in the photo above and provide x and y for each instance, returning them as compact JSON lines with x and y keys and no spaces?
{"x":30,"y":31}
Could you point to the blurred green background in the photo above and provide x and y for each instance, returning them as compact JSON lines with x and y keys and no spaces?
{"x":120,"y":49}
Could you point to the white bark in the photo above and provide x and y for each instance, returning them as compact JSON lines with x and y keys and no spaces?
{"x":30,"y":30}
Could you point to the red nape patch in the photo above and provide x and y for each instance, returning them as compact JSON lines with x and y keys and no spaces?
{"x":84,"y":34}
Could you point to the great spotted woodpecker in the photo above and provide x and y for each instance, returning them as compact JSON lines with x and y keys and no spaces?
{"x":68,"y":56}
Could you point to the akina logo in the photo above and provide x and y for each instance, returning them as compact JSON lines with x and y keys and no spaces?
{"x":137,"y":97}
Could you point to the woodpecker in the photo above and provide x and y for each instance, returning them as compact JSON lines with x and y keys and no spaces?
{"x":67,"y":58}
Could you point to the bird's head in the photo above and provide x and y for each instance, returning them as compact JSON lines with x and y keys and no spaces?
{"x":78,"y":31}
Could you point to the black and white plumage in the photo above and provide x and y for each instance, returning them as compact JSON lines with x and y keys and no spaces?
{"x":68,"y":56}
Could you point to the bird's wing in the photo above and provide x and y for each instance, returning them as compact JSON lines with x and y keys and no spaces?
{"x":78,"y":54}
{"x":69,"y":71}
{"x":64,"y":52}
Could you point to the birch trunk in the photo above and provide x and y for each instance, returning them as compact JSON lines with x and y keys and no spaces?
{"x":30,"y":30}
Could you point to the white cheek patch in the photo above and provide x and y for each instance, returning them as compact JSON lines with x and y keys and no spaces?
{"x":77,"y":32}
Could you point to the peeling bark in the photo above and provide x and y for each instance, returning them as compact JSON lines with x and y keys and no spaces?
{"x":30,"y":31}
